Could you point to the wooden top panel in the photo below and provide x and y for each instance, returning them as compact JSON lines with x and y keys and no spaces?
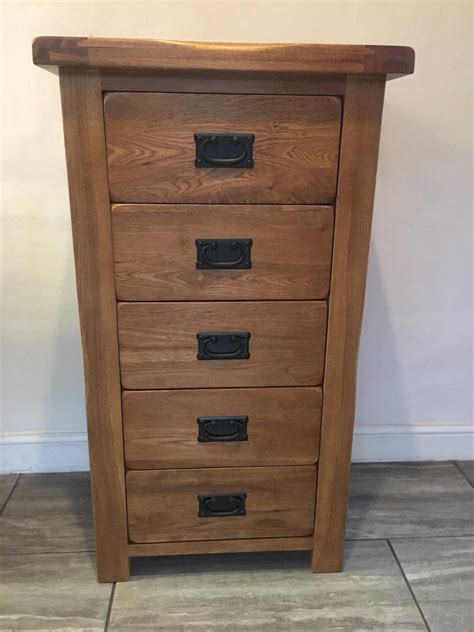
{"x":96,"y":52}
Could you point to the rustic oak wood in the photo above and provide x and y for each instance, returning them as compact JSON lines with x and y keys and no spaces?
{"x":161,"y":430}
{"x":158,"y":345}
{"x":156,"y":95}
{"x":302,"y":543}
{"x":151,"y":147}
{"x":155,"y":252}
{"x":221,"y":82}
{"x":163,"y":505}
{"x":99,"y":52}
{"x":87,"y":173}
{"x":360,"y":137}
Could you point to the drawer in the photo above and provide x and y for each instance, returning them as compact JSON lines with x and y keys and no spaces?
{"x":220,"y":504}
{"x":218,"y":252}
{"x":152,"y":149}
{"x":219,"y":427}
{"x":241,"y":344}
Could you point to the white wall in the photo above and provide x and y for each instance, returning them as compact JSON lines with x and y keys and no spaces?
{"x":414,"y":395}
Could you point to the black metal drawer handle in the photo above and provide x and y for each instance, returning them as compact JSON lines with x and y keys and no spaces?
{"x":223,"y":346}
{"x":223,"y":254}
{"x":224,"y":150}
{"x":222,"y":505}
{"x":217,"y":429}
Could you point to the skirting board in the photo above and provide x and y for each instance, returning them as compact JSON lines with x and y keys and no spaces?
{"x":67,"y":452}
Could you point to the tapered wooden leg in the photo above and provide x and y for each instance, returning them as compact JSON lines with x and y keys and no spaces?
{"x":327,"y":565}
{"x":81,"y":96}
{"x":357,"y":169}
{"x":115,"y":570}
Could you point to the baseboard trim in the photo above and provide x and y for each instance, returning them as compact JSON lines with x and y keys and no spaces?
{"x":67,"y":452}
{"x":44,"y":452}
{"x":422,"y":442}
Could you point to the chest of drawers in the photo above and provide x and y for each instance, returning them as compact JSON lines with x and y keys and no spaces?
{"x":221,"y":199}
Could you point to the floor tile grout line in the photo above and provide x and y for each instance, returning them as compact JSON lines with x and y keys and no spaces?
{"x":109,"y":609}
{"x":411,"y":537}
{"x":63,"y":552}
{"x":409,"y":586}
{"x":377,"y":539}
{"x":9,"y":495}
{"x":455,"y":463}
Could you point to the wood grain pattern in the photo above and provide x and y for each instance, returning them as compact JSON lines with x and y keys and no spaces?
{"x":302,"y":543}
{"x":221,"y":82}
{"x":97,"y":52}
{"x":155,"y":252}
{"x":160,"y":427}
{"x":158,"y":344}
{"x":87,"y":172}
{"x":290,"y":96}
{"x":360,"y":137}
{"x":163,"y":505}
{"x":151,"y":148}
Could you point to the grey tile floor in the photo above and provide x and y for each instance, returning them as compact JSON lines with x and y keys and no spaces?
{"x":409,"y":565}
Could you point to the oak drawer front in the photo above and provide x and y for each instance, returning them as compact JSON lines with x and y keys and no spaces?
{"x":152,"y":151}
{"x":215,"y":252}
{"x":223,"y":503}
{"x":242,"y":344}
{"x":219,"y":427}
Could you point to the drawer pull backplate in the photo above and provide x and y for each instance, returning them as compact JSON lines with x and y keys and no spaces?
{"x":223,"y":346}
{"x":222,"y":505}
{"x":216,"y":429}
{"x":223,"y":254}
{"x":224,"y":150}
